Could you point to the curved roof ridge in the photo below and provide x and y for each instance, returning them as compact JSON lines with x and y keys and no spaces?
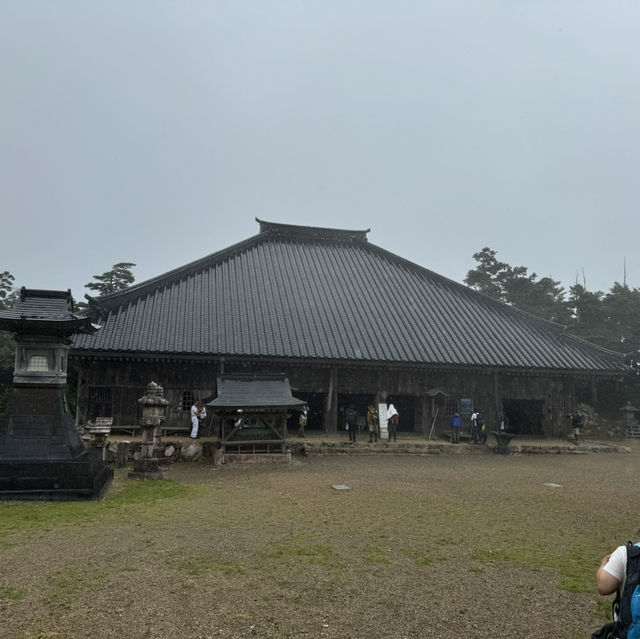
{"x":580,"y":340}
{"x":312,"y":232}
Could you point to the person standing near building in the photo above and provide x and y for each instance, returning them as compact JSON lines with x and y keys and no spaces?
{"x":393,"y":419}
{"x":475,"y":432}
{"x":372,"y":423}
{"x":456,"y":428}
{"x":202,"y":415}
{"x":482,"y":429}
{"x":576,"y":424}
{"x":352,"y":423}
{"x":195,"y":421}
{"x":302,"y":421}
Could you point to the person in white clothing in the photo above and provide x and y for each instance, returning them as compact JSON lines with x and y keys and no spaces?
{"x":475,"y":433}
{"x":393,"y":419}
{"x":195,"y":421}
{"x":612,"y":572}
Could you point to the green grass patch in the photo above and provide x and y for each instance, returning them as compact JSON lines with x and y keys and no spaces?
{"x":318,"y":554}
{"x":577,"y":574}
{"x":198,"y":566}
{"x":419,"y":559}
{"x":9,"y":593}
{"x":374,"y":555}
{"x":130,"y":504}
{"x":603,"y":610}
{"x":63,"y":587}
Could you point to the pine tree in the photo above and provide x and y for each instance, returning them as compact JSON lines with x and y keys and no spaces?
{"x":119,"y":277}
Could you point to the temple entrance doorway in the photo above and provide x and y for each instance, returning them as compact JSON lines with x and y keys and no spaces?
{"x":523,"y":416}
{"x":315,"y":417}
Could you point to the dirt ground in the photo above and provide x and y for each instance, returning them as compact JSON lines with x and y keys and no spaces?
{"x":438,"y":546}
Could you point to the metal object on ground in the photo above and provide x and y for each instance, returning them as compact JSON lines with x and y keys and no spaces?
{"x":503,"y":439}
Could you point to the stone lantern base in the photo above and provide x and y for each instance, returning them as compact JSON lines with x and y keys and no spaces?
{"x":146,"y":468}
{"x":42,"y":457}
{"x":85,"y":478}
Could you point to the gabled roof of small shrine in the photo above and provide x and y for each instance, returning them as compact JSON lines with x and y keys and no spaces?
{"x":237,"y":391}
{"x":328,"y":294}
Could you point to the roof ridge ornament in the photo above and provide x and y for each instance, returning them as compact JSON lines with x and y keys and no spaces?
{"x":312,"y":232}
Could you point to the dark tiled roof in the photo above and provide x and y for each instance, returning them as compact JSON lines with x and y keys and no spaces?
{"x":241,"y":392}
{"x":300,"y":292}
{"x":38,"y":308}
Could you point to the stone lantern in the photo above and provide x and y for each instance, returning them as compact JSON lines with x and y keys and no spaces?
{"x":629,"y":421}
{"x":100,"y":429}
{"x":154,"y":409}
{"x":41,"y":454}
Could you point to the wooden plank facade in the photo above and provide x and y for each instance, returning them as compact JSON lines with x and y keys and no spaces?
{"x":535,"y":404}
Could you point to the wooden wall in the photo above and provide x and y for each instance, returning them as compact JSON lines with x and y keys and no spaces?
{"x":119,"y":383}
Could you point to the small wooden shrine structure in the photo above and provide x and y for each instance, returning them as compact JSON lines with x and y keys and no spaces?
{"x":252,"y":413}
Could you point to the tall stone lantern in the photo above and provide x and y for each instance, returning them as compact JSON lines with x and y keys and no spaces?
{"x":41,"y":454}
{"x":154,"y":410}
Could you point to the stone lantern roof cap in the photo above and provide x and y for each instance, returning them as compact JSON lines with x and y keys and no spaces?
{"x":45,"y":311}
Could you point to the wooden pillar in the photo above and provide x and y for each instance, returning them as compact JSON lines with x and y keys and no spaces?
{"x":424,"y":423}
{"x":497,"y":398}
{"x":331,"y":403}
{"x":81,"y":398}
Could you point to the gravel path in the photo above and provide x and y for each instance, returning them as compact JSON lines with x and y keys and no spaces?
{"x":420,"y":546}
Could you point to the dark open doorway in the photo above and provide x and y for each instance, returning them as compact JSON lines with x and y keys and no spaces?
{"x":523,"y":416}
{"x":315,"y":402}
{"x":360,"y":402}
{"x":404,"y":404}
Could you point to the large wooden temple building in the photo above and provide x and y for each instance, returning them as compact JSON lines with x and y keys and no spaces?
{"x":347,"y":322}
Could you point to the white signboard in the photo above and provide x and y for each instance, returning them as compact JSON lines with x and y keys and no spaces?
{"x":382,"y":420}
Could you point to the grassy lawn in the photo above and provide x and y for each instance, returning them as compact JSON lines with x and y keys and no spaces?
{"x":434,"y":546}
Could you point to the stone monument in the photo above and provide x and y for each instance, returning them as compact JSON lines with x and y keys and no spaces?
{"x":42,"y":456}
{"x":154,"y":409}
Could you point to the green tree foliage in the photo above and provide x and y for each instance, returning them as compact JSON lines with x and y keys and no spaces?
{"x":611,"y":320}
{"x":119,"y":277}
{"x":588,"y":315}
{"x":514,"y":286}
{"x":488,"y":276}
{"x":622,"y":312}
{"x":7,"y":292}
{"x":8,"y":297}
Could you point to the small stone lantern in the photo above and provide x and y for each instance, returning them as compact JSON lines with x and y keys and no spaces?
{"x":154,"y":408}
{"x":629,"y":421}
{"x":100,"y":429}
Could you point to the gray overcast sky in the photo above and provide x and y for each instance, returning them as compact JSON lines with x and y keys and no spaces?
{"x":155,"y":132}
